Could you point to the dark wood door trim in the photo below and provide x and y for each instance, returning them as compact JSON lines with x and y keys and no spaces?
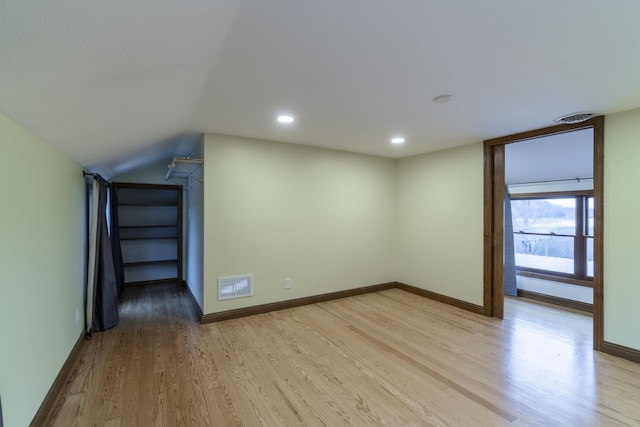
{"x":488,"y":231}
{"x":494,"y":217}
{"x":598,"y":232}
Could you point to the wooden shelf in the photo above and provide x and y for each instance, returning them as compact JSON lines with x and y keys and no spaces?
{"x":149,"y":238}
{"x":163,"y":204}
{"x":145,"y":263}
{"x":149,"y":226}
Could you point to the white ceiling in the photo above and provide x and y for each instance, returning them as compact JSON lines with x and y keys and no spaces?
{"x":120,"y":82}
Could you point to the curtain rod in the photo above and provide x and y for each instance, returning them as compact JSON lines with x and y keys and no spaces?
{"x":578,"y":179}
{"x":95,"y":175}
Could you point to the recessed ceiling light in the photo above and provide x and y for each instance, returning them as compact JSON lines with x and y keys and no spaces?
{"x":570,"y":119}
{"x":397,"y":140}
{"x":286,"y":119}
{"x":442,"y":99}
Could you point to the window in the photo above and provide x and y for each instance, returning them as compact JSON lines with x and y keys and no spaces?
{"x":553,"y":234}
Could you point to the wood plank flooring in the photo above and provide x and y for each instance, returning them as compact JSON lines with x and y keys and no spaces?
{"x":388,"y":358}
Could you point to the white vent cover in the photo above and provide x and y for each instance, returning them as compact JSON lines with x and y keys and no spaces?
{"x":570,"y":119}
{"x":235,"y":287}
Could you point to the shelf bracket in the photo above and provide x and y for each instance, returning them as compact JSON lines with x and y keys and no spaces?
{"x":187,"y":169}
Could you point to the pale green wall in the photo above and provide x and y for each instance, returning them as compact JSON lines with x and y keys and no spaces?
{"x":440,"y":222}
{"x":41,"y":265}
{"x":323,"y":218}
{"x":621,"y":231}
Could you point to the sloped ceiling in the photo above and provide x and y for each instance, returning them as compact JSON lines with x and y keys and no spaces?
{"x":553,"y":157}
{"x":118,"y":83}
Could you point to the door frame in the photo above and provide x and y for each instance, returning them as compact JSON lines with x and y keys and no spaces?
{"x":494,"y":181}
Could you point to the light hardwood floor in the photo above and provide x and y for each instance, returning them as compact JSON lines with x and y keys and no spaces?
{"x":388,"y":358}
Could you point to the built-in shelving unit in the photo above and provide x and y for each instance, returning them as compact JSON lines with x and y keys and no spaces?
{"x":150,"y":226}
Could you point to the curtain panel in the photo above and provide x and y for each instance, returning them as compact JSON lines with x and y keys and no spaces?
{"x":510,"y":280}
{"x":101,"y":290}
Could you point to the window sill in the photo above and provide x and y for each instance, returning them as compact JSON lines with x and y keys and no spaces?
{"x":554,"y":278}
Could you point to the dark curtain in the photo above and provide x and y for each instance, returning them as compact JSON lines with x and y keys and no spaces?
{"x":510,"y":285}
{"x":116,"y":249}
{"x":105,"y":291}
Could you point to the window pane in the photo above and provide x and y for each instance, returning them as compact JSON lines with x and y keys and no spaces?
{"x":551,"y":253}
{"x":590,"y":256}
{"x":549,"y":216}
{"x":590,"y":216}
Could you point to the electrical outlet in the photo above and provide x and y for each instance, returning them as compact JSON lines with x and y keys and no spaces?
{"x":287,"y":283}
{"x":77,"y":316}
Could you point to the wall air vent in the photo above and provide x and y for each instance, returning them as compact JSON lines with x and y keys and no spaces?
{"x":235,"y":287}
{"x":570,"y":119}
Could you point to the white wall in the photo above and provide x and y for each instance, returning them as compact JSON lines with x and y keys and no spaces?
{"x":439,"y":222}
{"x":621,"y":231}
{"x":323,"y":218}
{"x":153,"y":173}
{"x":42,"y":226}
{"x":194,"y":271}
{"x":556,"y":289}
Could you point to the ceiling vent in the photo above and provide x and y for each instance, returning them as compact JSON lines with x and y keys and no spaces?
{"x":570,"y":119}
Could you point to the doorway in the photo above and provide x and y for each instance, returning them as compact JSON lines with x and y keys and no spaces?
{"x":150,"y":232}
{"x":494,"y":190}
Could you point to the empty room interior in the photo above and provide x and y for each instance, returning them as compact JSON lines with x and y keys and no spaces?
{"x":319,"y":213}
